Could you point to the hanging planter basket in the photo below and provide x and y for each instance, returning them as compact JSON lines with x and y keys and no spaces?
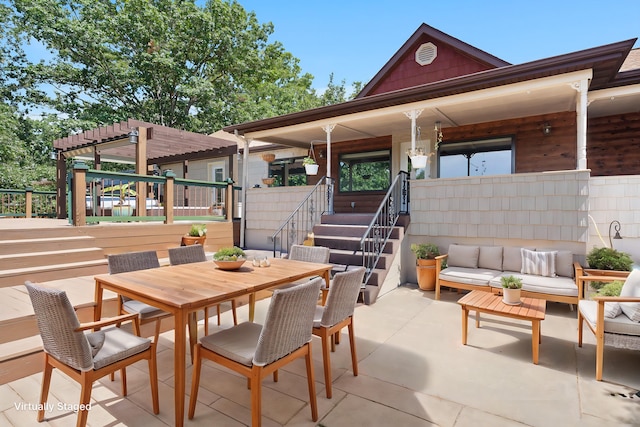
{"x":268,"y":157}
{"x":419,"y":161}
{"x":268,"y":181}
{"x":311,"y":169}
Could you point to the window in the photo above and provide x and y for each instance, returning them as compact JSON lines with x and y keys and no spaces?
{"x":476,"y":158}
{"x":368,"y":171}
{"x":288,"y":172}
{"x":217,"y":175}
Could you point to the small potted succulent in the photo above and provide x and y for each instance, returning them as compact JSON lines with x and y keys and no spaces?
{"x":511,"y":289}
{"x":310,"y":166}
{"x":426,"y":264}
{"x":197,"y":235}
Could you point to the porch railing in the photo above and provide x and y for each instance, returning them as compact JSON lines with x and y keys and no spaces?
{"x":374,"y":239}
{"x":119,"y":197}
{"x":299,"y":225}
{"x":27,"y":203}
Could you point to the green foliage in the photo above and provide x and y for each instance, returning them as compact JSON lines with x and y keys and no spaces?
{"x":425,"y":250}
{"x":511,"y":282}
{"x":198,"y":230}
{"x":229,"y":254}
{"x":611,"y":289}
{"x":308,"y":161}
{"x":609,"y":259}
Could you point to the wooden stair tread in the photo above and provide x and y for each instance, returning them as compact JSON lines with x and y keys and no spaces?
{"x":53,"y":267}
{"x":51,"y":253}
{"x":46,"y":239}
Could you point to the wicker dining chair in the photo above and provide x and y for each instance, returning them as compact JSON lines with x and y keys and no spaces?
{"x":86,"y":356}
{"x":337,"y":313}
{"x":257,"y":351}
{"x":134,"y":261}
{"x":195,"y":253}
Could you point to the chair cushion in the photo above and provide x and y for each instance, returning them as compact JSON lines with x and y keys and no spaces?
{"x":618,"y":325}
{"x":470,"y":276}
{"x":563,"y":286}
{"x":490,"y":257}
{"x":538,"y":263}
{"x":237,"y":343}
{"x":145,"y":311}
{"x":631,"y":288}
{"x":118,"y":345}
{"x":317,"y":317}
{"x":463,"y":256}
{"x":96,"y":341}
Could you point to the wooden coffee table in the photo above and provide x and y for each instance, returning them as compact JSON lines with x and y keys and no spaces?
{"x":531,"y":309}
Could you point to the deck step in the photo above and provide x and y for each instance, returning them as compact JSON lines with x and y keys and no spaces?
{"x":14,"y":277}
{"x":8,"y":247}
{"x":46,"y":258}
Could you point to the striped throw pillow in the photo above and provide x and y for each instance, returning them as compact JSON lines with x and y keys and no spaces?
{"x":538,"y":263}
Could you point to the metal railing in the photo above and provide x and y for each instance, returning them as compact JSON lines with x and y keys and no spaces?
{"x":374,"y":239}
{"x":27,"y":203}
{"x":298,"y":226}
{"x":116,"y":197}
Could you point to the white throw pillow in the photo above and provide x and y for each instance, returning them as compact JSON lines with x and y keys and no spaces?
{"x":538,"y":263}
{"x":631,"y":288}
{"x":612,"y":309}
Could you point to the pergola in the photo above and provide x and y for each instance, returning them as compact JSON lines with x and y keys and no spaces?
{"x":136,"y":142}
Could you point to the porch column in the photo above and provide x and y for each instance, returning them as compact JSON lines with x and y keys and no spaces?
{"x":413,"y":115}
{"x":245,"y":186}
{"x":582,"y":88}
{"x":328,"y":129}
{"x":141,"y":169}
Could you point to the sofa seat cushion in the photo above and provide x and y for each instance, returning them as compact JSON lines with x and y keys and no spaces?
{"x":561,"y":286}
{"x":620,"y":324}
{"x":469,"y":276}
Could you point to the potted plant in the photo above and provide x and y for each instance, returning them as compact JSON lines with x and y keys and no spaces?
{"x":426,"y":254}
{"x":310,"y":166}
{"x":608,"y":261}
{"x":229,"y":258}
{"x":418,"y":158}
{"x":511,"y":289}
{"x":196,"y":236}
{"x":124,"y":191}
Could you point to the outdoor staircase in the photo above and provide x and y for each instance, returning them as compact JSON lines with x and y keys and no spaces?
{"x":341,"y":233}
{"x":48,"y":254}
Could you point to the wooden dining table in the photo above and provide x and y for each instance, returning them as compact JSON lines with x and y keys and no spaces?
{"x":184,"y":289}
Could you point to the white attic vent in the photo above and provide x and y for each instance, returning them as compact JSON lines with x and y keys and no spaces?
{"x":426,"y":54}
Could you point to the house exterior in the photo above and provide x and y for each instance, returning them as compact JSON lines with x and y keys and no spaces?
{"x":545,"y":153}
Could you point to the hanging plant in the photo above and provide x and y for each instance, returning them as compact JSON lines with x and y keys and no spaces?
{"x":268,"y":157}
{"x":309,"y":162}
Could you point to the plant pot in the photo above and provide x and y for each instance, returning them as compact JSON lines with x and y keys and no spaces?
{"x":426,"y":272}
{"x":268,"y":181}
{"x":511,"y":296}
{"x":418,"y":162}
{"x":193,"y":240}
{"x":122,"y":210}
{"x":268,"y":157}
{"x":311,"y":169}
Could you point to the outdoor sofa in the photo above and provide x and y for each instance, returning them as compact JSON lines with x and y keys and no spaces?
{"x":546,"y":274}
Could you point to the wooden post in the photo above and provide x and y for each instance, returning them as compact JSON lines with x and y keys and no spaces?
{"x":229,"y":200}
{"x":168,"y":196}
{"x":79,"y":185}
{"x":28,"y":202}
{"x":141,"y":169}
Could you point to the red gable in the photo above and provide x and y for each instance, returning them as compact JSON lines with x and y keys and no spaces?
{"x":441,"y":57}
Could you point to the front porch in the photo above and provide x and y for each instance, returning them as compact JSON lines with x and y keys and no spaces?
{"x":414,"y":371}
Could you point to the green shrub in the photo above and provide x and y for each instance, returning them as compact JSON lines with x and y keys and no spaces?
{"x":611,"y":289}
{"x":609,"y":259}
{"x":425,"y":250}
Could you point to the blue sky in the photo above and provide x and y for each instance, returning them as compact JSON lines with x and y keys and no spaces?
{"x":355,"y":38}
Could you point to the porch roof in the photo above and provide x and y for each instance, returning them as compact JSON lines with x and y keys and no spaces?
{"x":164,"y":144}
{"x":508,"y":91}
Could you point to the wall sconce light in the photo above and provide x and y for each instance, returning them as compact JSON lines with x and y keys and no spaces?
{"x":322,"y":154}
{"x":53,"y":155}
{"x":133,"y":136}
{"x":546,"y":129}
{"x":617,"y":236}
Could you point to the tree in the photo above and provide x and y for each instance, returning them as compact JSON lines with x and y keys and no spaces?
{"x":169,"y":62}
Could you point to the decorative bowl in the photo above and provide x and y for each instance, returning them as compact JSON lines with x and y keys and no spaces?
{"x":230,"y":265}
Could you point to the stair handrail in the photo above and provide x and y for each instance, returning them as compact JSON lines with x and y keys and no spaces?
{"x":374,"y":239}
{"x":317,"y":202}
